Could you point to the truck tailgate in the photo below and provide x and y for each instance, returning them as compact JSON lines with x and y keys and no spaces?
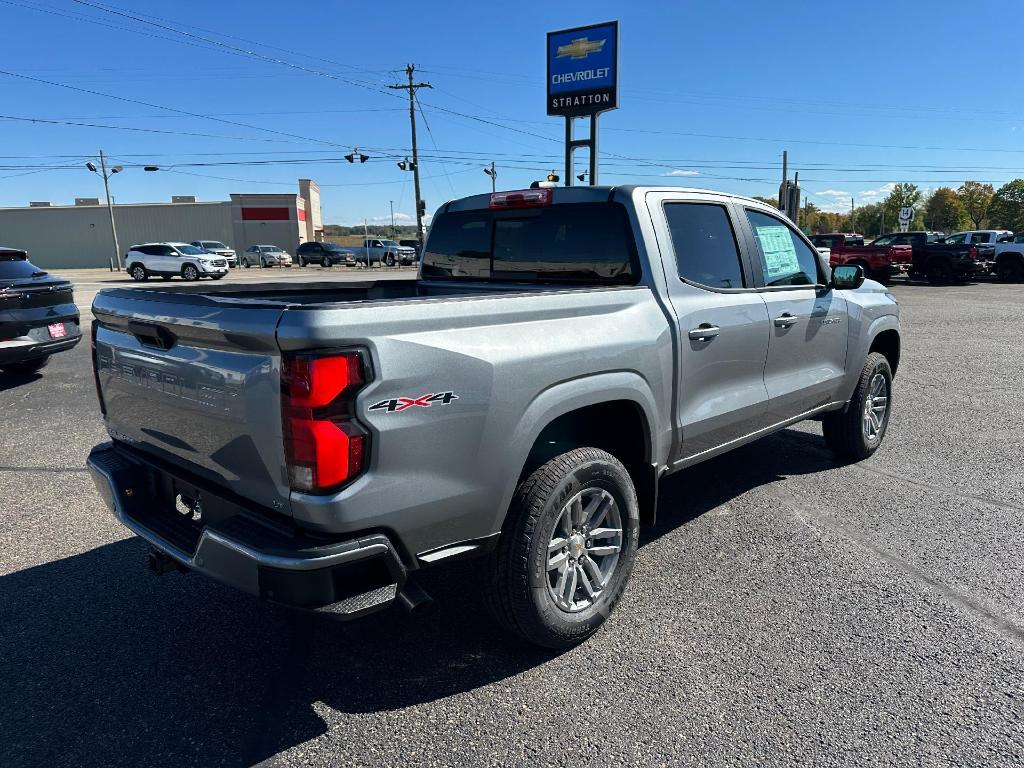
{"x":195,"y":379}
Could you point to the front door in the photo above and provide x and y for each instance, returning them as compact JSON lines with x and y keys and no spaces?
{"x":722,"y":321}
{"x":808,"y":334}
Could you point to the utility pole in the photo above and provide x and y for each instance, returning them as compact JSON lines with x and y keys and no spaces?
{"x":392,"y":204}
{"x":493,"y":173}
{"x":412,"y":88}
{"x":110,"y":203}
{"x":784,"y":189}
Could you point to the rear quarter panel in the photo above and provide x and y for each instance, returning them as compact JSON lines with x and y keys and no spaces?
{"x":446,"y":473}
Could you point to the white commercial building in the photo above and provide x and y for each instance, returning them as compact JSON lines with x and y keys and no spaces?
{"x":63,"y":236}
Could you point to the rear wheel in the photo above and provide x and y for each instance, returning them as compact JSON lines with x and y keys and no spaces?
{"x":566,"y":549}
{"x":27,"y":366}
{"x":138,"y":272}
{"x":1010,"y":270}
{"x":189,"y":272}
{"x":940,"y":272}
{"x":857,"y":432}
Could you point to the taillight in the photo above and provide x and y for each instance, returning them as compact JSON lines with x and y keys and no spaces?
{"x":973,"y":252}
{"x":324,"y":445}
{"x":524,"y":198}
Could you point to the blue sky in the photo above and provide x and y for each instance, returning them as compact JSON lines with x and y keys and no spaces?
{"x":862,"y":94}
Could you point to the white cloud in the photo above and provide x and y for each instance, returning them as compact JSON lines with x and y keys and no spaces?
{"x":833,"y":193}
{"x":681,"y":172}
{"x":885,"y":189}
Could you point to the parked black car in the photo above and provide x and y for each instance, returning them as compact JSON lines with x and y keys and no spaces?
{"x":38,"y":316}
{"x":324,"y":254}
{"x":938,"y":262}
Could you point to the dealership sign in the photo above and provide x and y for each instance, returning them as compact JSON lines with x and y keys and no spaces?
{"x":583,"y":70}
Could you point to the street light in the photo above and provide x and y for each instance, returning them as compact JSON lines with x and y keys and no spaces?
{"x":493,"y":173}
{"x":110,"y":205}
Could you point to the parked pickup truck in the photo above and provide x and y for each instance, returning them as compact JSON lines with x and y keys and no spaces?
{"x":1009,"y":259}
{"x":985,"y":241}
{"x":386,"y":252}
{"x":938,"y":262}
{"x":559,"y":353}
{"x":880,"y":262}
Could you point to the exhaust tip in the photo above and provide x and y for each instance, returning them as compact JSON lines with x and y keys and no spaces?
{"x":415,"y":600}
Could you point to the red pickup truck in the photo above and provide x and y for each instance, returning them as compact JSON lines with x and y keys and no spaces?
{"x":880,"y":262}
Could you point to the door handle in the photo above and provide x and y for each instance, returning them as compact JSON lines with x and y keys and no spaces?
{"x":704,"y":332}
{"x":785,"y":320}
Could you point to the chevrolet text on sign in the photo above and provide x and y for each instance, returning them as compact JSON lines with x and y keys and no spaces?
{"x":583,"y":70}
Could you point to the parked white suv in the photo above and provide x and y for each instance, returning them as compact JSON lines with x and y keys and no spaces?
{"x":170,"y":259}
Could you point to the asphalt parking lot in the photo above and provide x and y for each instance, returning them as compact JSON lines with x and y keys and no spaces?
{"x":786,"y":610}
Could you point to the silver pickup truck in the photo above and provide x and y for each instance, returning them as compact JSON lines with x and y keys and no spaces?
{"x":386,"y":252}
{"x":559,"y":352}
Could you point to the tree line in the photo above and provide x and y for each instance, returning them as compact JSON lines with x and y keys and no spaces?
{"x":972,"y":205}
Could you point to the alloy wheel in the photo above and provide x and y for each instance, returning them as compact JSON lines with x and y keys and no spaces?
{"x":583,"y":549}
{"x":876,"y":406}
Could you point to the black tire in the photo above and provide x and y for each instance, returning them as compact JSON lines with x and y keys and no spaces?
{"x":189,"y":272}
{"x":245,"y":263}
{"x":26,"y":367}
{"x":1010,"y":270}
{"x":846,"y":432}
{"x":263,"y":263}
{"x":325,"y":261}
{"x":389,"y":260}
{"x":138,"y":273}
{"x":940,"y":272}
{"x":216,"y":277}
{"x":166,"y":277}
{"x":517,"y":586}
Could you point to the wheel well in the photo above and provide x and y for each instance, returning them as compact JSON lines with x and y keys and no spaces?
{"x":618,"y":427}
{"x":888,"y":344}
{"x":1007,"y":255}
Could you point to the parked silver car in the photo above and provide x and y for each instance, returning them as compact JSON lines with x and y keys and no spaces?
{"x":266,"y":256}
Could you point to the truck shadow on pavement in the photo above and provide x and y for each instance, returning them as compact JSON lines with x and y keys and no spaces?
{"x":103,"y":664}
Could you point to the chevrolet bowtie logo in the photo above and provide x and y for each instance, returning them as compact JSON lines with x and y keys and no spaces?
{"x":580,"y":48}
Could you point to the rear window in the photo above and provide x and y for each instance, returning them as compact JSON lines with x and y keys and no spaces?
{"x":13,"y":267}
{"x":580,"y":243}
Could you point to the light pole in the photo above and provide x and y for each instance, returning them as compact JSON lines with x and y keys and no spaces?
{"x":110,"y":205}
{"x":392,"y":204}
{"x":493,"y":173}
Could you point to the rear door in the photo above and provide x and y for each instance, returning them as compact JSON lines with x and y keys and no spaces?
{"x":722,"y":321}
{"x":806,"y":358}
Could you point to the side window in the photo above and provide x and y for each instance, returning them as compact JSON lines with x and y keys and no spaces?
{"x":887,"y":240}
{"x":785,"y":258}
{"x":166,"y":250}
{"x":957,"y":239}
{"x":704,"y":245}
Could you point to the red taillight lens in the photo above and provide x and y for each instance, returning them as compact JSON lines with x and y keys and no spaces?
{"x":324,"y":445}
{"x":524,"y":198}
{"x":973,"y":252}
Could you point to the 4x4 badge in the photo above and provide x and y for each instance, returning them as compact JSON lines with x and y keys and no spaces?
{"x":424,"y":401}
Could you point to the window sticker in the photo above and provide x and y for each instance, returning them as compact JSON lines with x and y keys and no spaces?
{"x":779,"y":252}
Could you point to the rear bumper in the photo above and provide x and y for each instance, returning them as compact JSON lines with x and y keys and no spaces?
{"x":348,"y":578}
{"x":36,"y":342}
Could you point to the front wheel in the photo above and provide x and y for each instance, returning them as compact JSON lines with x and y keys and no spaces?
{"x":940,"y":273}
{"x":389,"y":260}
{"x":326,"y":261}
{"x":189,"y":272}
{"x":1010,"y":271}
{"x":857,"y":432}
{"x":566,"y":549}
{"x":263,"y":263}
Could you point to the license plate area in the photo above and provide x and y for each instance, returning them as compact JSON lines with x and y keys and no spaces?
{"x":57,"y":330}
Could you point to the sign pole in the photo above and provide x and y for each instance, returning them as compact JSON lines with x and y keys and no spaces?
{"x":593,"y":148}
{"x":569,"y":148}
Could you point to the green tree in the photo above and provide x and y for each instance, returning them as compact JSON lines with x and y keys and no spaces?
{"x":975,"y":198}
{"x":1006,"y":210}
{"x":944,"y":211}
{"x":904,"y":195}
{"x":867,"y":219}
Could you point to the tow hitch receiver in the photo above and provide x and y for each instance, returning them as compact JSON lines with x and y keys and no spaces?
{"x":159,"y":563}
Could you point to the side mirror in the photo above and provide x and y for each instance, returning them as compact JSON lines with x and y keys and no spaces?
{"x":847,"y":276}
